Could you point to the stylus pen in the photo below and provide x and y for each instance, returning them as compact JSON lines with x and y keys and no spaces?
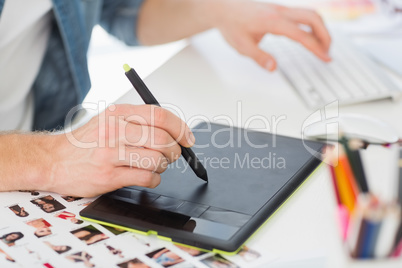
{"x":148,"y":98}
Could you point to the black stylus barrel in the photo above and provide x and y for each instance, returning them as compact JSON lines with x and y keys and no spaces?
{"x":148,"y":98}
{"x":194,"y":163}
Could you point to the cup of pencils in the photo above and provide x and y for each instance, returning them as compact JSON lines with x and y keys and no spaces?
{"x":370,"y":229}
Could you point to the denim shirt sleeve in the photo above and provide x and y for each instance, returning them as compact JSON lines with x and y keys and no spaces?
{"x":1,"y":6}
{"x":63,"y":80}
{"x":119,"y":18}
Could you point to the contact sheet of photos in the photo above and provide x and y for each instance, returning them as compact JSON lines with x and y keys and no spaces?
{"x":40,"y":229}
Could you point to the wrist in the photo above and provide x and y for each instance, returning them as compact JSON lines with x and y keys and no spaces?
{"x":222,"y":12}
{"x":214,"y":12}
{"x":26,"y":161}
{"x":161,"y":21}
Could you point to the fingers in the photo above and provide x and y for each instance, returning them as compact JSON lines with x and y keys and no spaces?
{"x":145,"y":140}
{"x":126,"y":176}
{"x":292,"y":30}
{"x":151,"y":138}
{"x":312,"y":19}
{"x":317,"y":41}
{"x":250,"y":48}
{"x":142,"y":158}
{"x":157,"y":117}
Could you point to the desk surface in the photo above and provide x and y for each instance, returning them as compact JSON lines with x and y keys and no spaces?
{"x":208,"y":80}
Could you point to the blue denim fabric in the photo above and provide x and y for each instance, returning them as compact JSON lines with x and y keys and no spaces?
{"x":63,"y":80}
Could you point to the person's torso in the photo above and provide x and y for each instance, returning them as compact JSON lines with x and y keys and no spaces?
{"x":24,"y":31}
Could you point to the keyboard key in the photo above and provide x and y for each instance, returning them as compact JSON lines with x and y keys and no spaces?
{"x":350,"y":77}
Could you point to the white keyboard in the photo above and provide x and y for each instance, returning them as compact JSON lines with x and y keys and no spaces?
{"x":351,"y":77}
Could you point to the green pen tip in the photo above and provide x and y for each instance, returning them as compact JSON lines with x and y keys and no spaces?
{"x":126,"y":67}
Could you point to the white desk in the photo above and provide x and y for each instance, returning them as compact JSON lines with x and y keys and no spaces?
{"x":208,"y":79}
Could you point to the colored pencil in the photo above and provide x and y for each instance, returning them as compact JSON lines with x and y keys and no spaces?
{"x":345,"y":181}
{"x":388,"y":231}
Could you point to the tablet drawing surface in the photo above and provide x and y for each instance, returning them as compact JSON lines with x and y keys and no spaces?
{"x":250,"y":175}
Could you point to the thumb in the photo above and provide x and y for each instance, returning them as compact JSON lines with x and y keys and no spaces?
{"x":265,"y":60}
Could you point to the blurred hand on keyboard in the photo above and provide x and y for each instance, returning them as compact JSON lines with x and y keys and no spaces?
{"x":246,"y":22}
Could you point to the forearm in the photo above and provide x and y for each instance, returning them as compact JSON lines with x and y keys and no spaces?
{"x":99,"y":157}
{"x":243,"y":24}
{"x":162,"y":21}
{"x":25,"y":161}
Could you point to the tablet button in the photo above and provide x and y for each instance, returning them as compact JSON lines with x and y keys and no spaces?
{"x":145,"y":198}
{"x":191,"y":209}
{"x":167,"y":203}
{"x":135,"y":196}
{"x":225,"y":216}
{"x":213,"y":229}
{"x":123,"y":193}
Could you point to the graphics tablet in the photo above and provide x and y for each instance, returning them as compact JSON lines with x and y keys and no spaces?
{"x":250,"y":175}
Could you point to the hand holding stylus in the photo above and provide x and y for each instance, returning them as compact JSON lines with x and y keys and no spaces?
{"x":148,"y":98}
{"x":126,"y":145}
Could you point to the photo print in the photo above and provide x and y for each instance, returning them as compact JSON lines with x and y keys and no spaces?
{"x":29,"y":191}
{"x":65,"y":215}
{"x":89,"y":234}
{"x":134,"y":263}
{"x":192,"y":251}
{"x":58,"y":248}
{"x":165,"y":257}
{"x":19,"y":211}
{"x":10,"y":239}
{"x":217,"y":261}
{"x":114,"y":230}
{"x":70,"y":198}
{"x":81,"y":257}
{"x":48,"y":204}
{"x":42,"y":227}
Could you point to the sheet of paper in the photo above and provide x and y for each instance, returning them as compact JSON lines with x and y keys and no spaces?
{"x":39,"y":229}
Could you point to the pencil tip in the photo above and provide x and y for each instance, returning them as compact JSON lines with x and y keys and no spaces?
{"x":126,"y":67}
{"x":204,"y":177}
